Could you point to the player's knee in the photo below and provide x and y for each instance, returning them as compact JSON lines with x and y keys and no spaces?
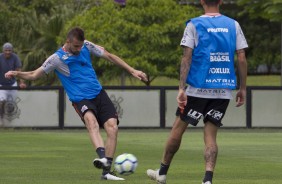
{"x":92,"y":125}
{"x":111,"y":125}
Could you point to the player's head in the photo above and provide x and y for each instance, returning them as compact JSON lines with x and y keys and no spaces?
{"x":75,"y":39}
{"x":7,"y":49}
{"x":211,"y":2}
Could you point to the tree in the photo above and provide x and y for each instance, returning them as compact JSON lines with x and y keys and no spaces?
{"x":35,"y":28}
{"x":269,"y":10}
{"x":145,"y":33}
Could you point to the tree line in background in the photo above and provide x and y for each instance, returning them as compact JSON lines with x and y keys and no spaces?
{"x":145,"y":33}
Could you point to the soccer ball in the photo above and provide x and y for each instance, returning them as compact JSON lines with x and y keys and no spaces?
{"x":126,"y":164}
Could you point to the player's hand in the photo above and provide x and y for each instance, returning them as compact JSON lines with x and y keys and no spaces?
{"x":181,"y":99}
{"x":240,"y":97}
{"x":140,"y":75}
{"x":10,"y":74}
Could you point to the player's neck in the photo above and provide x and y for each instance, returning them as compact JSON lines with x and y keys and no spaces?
{"x":65,"y":48}
{"x":212,"y":14}
{"x":211,"y":10}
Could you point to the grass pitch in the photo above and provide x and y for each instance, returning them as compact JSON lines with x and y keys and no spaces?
{"x":65,"y":156}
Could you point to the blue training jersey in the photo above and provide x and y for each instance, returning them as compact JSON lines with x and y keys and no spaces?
{"x":213,"y":58}
{"x":82,"y":83}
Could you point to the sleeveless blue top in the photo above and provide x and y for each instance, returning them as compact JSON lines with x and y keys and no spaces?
{"x":213,"y":58}
{"x":82,"y":83}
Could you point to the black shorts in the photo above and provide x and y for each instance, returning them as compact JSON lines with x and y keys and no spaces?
{"x":211,"y":110}
{"x":101,"y":106}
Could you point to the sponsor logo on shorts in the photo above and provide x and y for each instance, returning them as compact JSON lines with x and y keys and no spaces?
{"x":215,"y":114}
{"x":83,"y":108}
{"x":194,"y":114}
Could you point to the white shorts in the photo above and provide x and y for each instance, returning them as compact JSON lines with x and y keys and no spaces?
{"x":8,"y":95}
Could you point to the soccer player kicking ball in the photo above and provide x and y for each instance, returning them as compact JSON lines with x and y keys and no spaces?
{"x":207,"y":66}
{"x":72,"y":64}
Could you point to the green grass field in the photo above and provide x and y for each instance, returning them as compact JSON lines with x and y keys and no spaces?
{"x":65,"y":156}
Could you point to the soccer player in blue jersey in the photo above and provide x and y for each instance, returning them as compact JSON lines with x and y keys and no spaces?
{"x":207,"y":66}
{"x":72,"y":64}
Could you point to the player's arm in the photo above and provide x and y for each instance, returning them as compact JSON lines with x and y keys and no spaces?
{"x":242,"y":67}
{"x":184,"y":70}
{"x":50,"y":64}
{"x":29,"y":75}
{"x":118,"y":61}
{"x":185,"y":66}
{"x":241,"y":45}
{"x":103,"y":53}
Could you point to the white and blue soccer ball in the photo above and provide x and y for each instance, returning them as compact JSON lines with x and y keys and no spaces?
{"x":126,"y":164}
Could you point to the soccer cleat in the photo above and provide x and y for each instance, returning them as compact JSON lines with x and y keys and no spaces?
{"x":154,"y":175}
{"x":101,"y":163}
{"x":207,"y":182}
{"x":111,"y":176}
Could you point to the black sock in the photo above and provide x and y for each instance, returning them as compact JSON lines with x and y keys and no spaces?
{"x":163,"y":169}
{"x":107,"y":170}
{"x":208,"y":176}
{"x":110,"y":160}
{"x":101,"y":152}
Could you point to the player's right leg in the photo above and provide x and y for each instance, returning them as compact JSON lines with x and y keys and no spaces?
{"x":154,"y":175}
{"x":174,"y":140}
{"x":172,"y":146}
{"x":93,"y":128}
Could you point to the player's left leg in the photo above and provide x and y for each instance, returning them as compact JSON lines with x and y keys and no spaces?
{"x":213,"y":115}
{"x":111,"y":129}
{"x":211,"y":150}
{"x":108,"y":119}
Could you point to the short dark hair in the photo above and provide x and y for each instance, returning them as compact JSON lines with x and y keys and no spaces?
{"x":77,"y":33}
{"x":212,"y":2}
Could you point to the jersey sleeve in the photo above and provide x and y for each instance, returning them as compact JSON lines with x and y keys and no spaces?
{"x":94,"y":49}
{"x":241,"y":41}
{"x":51,"y":63}
{"x":189,"y":38}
